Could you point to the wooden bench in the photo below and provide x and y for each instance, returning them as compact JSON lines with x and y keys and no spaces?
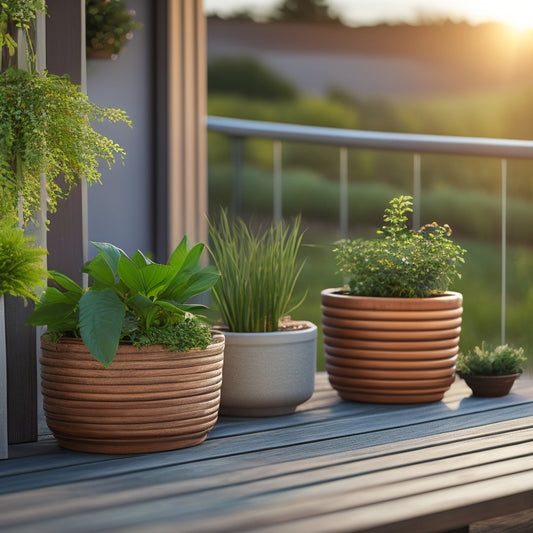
{"x":332,"y":466}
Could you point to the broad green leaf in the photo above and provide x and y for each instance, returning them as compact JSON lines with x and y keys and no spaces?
{"x":140,"y":306}
{"x":197,"y":284}
{"x":101,"y":316}
{"x":65,"y":281}
{"x":150,"y":280}
{"x":100,"y":273}
{"x":179,"y":254}
{"x":169,"y":306}
{"x":140,"y":303}
{"x":53,"y":315}
{"x":191,"y":262}
{"x":130,"y":274}
{"x":156,"y":279}
{"x":53,"y":296}
{"x":111,"y":255}
{"x":140,"y":259}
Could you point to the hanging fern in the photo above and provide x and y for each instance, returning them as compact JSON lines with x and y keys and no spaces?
{"x":21,"y":263}
{"x":45,"y":124}
{"x":45,"y":127}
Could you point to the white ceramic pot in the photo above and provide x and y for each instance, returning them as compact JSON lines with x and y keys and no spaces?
{"x":268,"y":374}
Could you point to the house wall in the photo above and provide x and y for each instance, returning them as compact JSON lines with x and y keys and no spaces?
{"x":120,"y":209}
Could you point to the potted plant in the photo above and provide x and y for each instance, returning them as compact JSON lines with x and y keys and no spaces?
{"x":270,"y":360}
{"x":21,"y":272}
{"x":127,"y":367}
{"x":491,"y":372}
{"x":108,"y":25}
{"x":392,"y":333}
{"x":45,"y":125}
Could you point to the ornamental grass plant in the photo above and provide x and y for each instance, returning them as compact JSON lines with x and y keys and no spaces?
{"x":401,"y":262}
{"x":258,"y":269}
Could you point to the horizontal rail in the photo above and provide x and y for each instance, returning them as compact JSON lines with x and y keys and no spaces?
{"x":377,"y":140}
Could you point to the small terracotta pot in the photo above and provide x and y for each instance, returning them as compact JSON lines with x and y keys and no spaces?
{"x":491,"y":386}
{"x":268,"y":374}
{"x":148,"y":400}
{"x":391,"y":350}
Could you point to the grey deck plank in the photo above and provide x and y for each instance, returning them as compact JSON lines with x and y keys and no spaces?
{"x":320,"y":460}
{"x":261,"y":492}
{"x":324,"y":437}
{"x":170,"y":483}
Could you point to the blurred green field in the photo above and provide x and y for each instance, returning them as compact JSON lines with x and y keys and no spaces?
{"x":464,"y":192}
{"x":476,"y":215}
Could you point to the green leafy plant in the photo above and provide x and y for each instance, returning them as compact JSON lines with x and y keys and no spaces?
{"x":401,"y":262}
{"x":19,"y":14}
{"x":258,"y":271}
{"x":130,"y":299}
{"x":45,"y":124}
{"x":45,"y":127}
{"x":21,"y":263}
{"x":500,"y":361}
{"x":108,"y":25}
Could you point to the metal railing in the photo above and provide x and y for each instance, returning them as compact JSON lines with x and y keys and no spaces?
{"x":239,"y":129}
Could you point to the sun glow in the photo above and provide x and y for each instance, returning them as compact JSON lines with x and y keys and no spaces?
{"x":520,"y":20}
{"x":517,"y":14}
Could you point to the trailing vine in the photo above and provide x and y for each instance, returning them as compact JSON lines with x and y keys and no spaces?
{"x":19,"y":14}
{"x":45,"y":125}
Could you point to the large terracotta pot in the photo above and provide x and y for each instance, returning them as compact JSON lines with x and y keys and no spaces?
{"x":148,"y":400}
{"x":269,"y":374}
{"x":391,"y":350}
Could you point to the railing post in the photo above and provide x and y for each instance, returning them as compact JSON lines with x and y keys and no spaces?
{"x":278,"y":189}
{"x":236,"y":158}
{"x":343,"y":192}
{"x":504,"y":249}
{"x":417,"y":189}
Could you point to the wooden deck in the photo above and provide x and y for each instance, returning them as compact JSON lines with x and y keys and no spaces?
{"x":332,"y":466}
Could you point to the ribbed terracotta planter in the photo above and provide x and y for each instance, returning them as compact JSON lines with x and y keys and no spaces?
{"x":269,"y":374}
{"x":391,"y":350}
{"x":148,"y":400}
{"x":491,"y":386}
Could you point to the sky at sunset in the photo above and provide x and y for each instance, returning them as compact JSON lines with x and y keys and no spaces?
{"x":516,"y":13}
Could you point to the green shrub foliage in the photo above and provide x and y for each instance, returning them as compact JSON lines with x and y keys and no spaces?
{"x":402,"y":262}
{"x":247,"y":77}
{"x":500,"y":361}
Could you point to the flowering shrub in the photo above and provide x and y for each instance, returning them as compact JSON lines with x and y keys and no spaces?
{"x":401,"y":262}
